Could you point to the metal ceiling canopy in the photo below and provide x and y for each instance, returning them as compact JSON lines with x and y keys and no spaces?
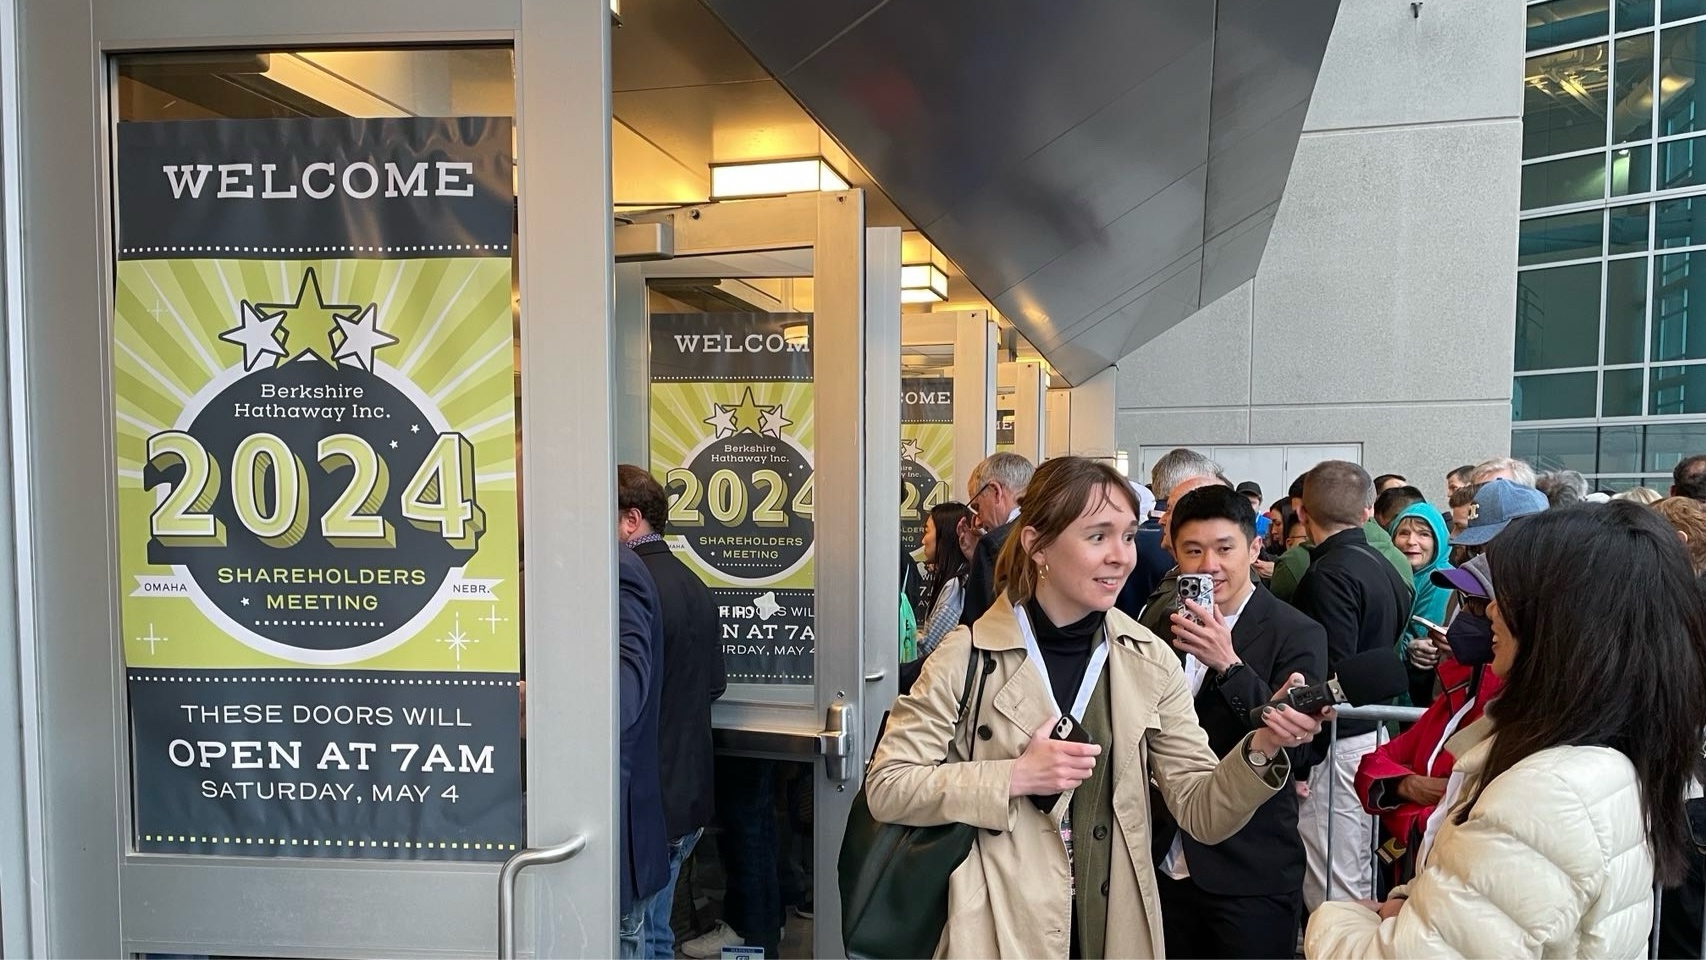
{"x":1100,"y":169}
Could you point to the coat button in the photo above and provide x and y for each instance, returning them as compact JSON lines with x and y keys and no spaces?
{"x":984,"y":733}
{"x":989,"y":665}
{"x":994,"y":832}
{"x":1104,"y":888}
{"x":1100,"y":833}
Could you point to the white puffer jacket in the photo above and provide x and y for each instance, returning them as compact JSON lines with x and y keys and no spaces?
{"x":1552,"y":862}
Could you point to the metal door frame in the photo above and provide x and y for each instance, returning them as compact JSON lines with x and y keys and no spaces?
{"x":90,"y":894}
{"x":856,"y":465}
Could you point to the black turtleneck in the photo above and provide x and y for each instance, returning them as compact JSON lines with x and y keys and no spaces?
{"x":1066,"y":650}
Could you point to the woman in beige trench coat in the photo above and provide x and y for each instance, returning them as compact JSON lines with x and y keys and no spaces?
{"x":1020,"y":893}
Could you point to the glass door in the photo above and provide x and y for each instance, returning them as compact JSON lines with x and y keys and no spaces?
{"x":293,"y":608}
{"x":771,"y":368}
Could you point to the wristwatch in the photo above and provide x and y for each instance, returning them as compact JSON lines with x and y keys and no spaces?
{"x":1231,"y":669}
{"x":1257,"y":758}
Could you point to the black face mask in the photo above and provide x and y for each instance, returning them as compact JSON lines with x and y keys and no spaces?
{"x":1471,"y":639}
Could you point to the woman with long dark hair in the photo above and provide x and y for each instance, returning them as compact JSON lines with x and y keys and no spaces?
{"x":946,"y":559}
{"x":1566,"y":801}
{"x":1062,"y":864}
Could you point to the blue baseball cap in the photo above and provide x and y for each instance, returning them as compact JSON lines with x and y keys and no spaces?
{"x":1496,"y":504}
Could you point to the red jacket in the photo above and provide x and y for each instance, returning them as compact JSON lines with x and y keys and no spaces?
{"x":1408,"y":753}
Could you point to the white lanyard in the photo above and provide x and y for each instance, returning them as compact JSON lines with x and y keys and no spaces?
{"x":1092,"y":671}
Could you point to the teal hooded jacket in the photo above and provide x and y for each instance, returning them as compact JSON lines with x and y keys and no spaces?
{"x":1431,"y":598}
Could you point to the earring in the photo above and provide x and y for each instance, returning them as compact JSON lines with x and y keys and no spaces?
{"x":1045,"y":572}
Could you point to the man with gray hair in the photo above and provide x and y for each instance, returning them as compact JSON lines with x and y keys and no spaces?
{"x":1562,"y":487}
{"x":995,"y":487}
{"x":1175,"y":467}
{"x":1516,"y":471}
{"x":1153,"y":561}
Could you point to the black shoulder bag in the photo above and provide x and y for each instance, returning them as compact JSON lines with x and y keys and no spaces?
{"x":894,"y":878}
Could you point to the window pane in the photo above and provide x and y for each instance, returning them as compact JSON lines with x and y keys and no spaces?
{"x":1564,"y":181}
{"x":1617,"y":484}
{"x":1677,"y":390}
{"x":1634,"y":14}
{"x":1568,"y":236}
{"x":1679,"y":306}
{"x":1619,"y":449}
{"x":1621,"y":395}
{"x":1564,"y":102}
{"x":1566,"y":21}
{"x":1629,"y":228}
{"x":1557,"y":318}
{"x":1632,"y":170}
{"x":1625,"y":310}
{"x":1571,"y":449}
{"x":1553,"y":396}
{"x":1668,"y":443}
{"x":1683,"y":9}
{"x":1682,"y":163}
{"x":1679,"y":67}
{"x":1632,"y":96}
{"x":1680,"y":223}
{"x":1525,"y":445}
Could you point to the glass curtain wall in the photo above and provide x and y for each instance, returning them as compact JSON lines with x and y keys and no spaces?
{"x":1610,"y":336}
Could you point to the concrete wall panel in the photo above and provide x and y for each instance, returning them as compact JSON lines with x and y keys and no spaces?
{"x":1393,"y":256}
{"x":1457,"y":60}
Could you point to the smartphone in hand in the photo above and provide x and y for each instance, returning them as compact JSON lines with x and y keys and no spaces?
{"x":1197,"y":588}
{"x":1066,"y":728}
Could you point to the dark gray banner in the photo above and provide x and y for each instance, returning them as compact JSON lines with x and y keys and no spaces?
{"x":327,"y":763}
{"x":315,"y":188}
{"x":927,"y":400}
{"x":731,"y":346}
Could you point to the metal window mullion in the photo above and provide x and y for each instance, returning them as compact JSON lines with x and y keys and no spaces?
{"x":1567,"y":155}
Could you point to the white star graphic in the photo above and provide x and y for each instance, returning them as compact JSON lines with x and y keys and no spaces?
{"x":361,"y":336}
{"x":415,"y":428}
{"x":723,"y":420}
{"x":457,"y":640}
{"x":910,"y":449}
{"x":257,"y":333}
{"x":393,"y":444}
{"x":245,"y":601}
{"x":771,"y":422}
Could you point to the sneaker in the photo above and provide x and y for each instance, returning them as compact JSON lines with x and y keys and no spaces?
{"x":711,"y":944}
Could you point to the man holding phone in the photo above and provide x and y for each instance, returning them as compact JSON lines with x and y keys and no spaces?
{"x":1239,"y":898}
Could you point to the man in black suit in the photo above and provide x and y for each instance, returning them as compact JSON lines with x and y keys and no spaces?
{"x":995,"y":487}
{"x":1239,"y":898}
{"x":693,"y":677}
{"x":644,"y":856}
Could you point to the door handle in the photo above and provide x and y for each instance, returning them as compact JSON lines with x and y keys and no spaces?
{"x":532,"y":856}
{"x":835,"y":742}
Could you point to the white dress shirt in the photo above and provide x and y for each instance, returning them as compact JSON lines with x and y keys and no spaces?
{"x":1195,"y":673}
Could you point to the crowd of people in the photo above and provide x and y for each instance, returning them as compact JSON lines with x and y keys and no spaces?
{"x":1553,"y":637}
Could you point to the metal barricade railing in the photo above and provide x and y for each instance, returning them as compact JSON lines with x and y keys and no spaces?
{"x":1410,"y":715}
{"x":1378,"y":712}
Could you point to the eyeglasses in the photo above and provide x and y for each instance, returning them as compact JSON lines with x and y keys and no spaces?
{"x":980,"y":492}
{"x":1476,"y":605}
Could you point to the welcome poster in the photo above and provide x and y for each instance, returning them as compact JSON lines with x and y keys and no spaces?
{"x":313,"y":388}
{"x":731,"y":440}
{"x":926,"y":454}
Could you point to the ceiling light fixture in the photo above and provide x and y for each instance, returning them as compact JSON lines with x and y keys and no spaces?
{"x":797,"y":334}
{"x":773,"y":178}
{"x":922,"y":283}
